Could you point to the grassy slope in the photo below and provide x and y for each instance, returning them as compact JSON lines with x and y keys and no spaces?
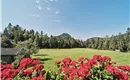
{"x":59,"y":54}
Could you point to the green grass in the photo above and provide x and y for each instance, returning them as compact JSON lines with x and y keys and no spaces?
{"x":49,"y":56}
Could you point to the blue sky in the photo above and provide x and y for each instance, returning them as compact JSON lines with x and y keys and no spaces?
{"x":80,"y":18}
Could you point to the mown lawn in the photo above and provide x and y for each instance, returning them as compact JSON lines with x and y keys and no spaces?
{"x":49,"y":56}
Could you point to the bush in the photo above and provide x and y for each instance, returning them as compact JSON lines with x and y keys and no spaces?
{"x":28,"y":47}
{"x":6,"y":42}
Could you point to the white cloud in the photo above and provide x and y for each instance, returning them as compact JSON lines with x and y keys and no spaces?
{"x":46,"y":1}
{"x":37,"y":1}
{"x":56,"y":20}
{"x":53,"y":0}
{"x":57,"y":12}
{"x":39,"y":7}
{"x":36,"y":15}
{"x":84,"y":39}
{"x":48,"y":8}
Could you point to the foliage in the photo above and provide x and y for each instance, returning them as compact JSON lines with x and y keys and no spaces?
{"x":18,"y":58}
{"x":6,"y":42}
{"x":51,"y":75}
{"x":117,"y":42}
{"x":28,"y":47}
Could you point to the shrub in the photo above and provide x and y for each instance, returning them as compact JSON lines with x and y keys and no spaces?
{"x":6,"y":42}
{"x":28,"y":47}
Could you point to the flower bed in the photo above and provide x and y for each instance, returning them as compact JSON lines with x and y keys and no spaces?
{"x":8,"y":73}
{"x":97,"y":68}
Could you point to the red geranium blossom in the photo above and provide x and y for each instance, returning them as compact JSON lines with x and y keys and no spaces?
{"x":57,"y":62}
{"x":28,"y":72}
{"x":66,"y":61}
{"x":8,"y":73}
{"x":38,"y":67}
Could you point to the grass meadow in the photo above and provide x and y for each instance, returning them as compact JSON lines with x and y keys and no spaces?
{"x":48,"y":57}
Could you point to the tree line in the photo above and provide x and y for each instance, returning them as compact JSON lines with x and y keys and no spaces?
{"x":14,"y":36}
{"x":120,"y":42}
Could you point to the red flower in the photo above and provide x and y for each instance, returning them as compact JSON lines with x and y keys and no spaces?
{"x":113,"y":62}
{"x":40,"y":77}
{"x":82,"y":59}
{"x":28,"y":73}
{"x":125,"y":68}
{"x":66,"y":61}
{"x":83,"y":72}
{"x":35,"y":62}
{"x":70,"y":78}
{"x":9,"y":66}
{"x":38,"y":67}
{"x":26,"y":62}
{"x":73,"y":63}
{"x":79,"y":70}
{"x":74,"y":73}
{"x":57,"y":62}
{"x":34,"y":78}
{"x":97,"y":57}
{"x":2,"y":76}
{"x":20,"y":68}
{"x":106,"y":58}
{"x":124,"y":76}
{"x":2,"y":67}
{"x":8,"y":73}
{"x":120,"y":75}
{"x":92,"y":62}
{"x":110,"y":68}
{"x":9,"y":79}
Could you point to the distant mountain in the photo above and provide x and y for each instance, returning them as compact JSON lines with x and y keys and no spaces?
{"x":65,"y":35}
